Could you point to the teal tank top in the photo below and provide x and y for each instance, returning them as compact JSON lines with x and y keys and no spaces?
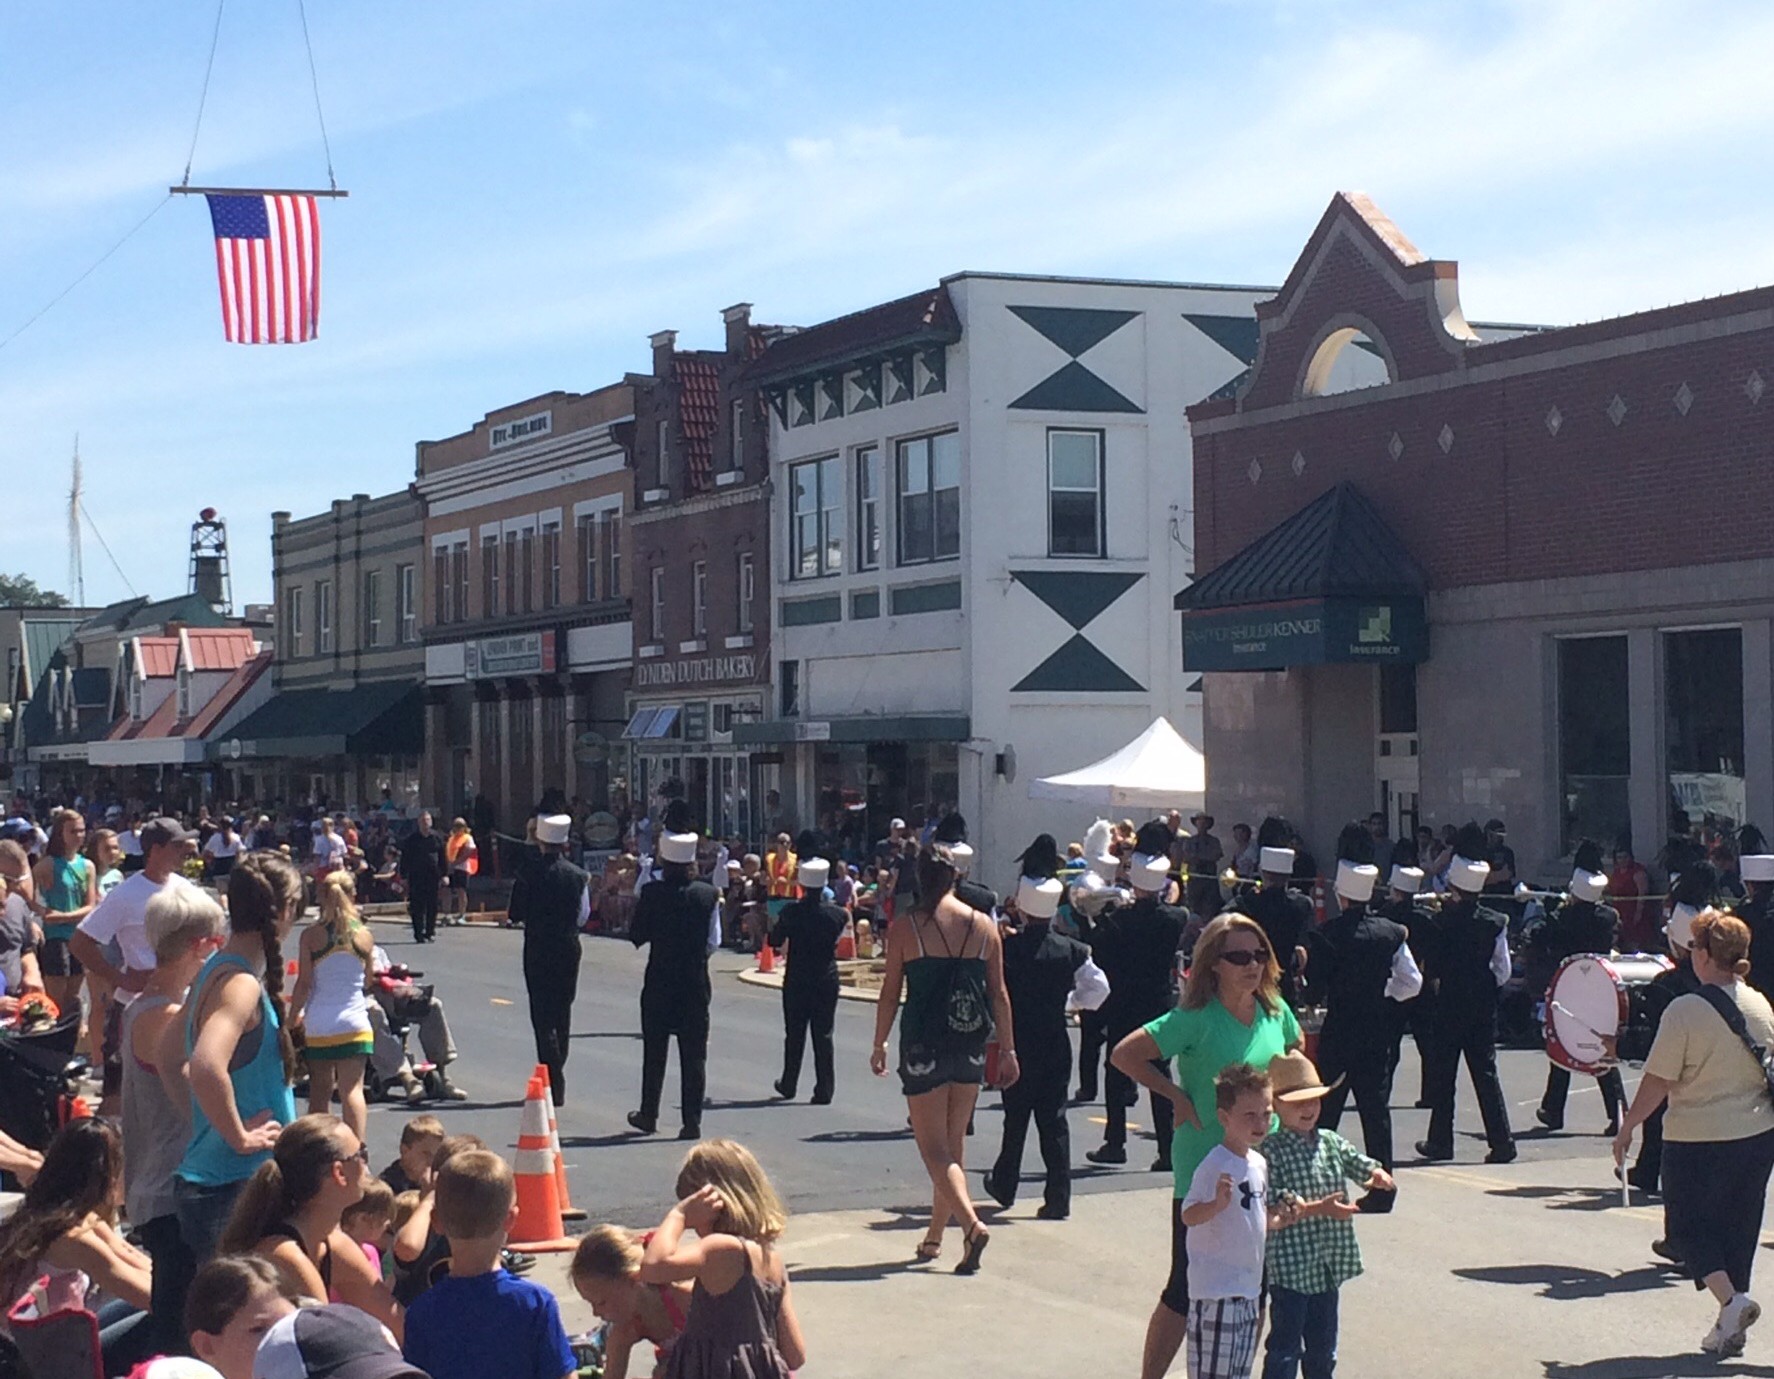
{"x":256,"y":1071}
{"x":66,"y":891}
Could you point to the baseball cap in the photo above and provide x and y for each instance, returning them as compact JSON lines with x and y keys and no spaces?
{"x":333,"y":1342}
{"x":159,"y":832}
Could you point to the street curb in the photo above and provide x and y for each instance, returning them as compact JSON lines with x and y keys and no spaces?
{"x":753,"y":977}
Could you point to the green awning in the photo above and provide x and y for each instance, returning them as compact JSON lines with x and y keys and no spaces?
{"x":384,"y":718}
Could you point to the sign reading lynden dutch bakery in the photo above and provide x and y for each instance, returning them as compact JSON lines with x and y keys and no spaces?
{"x":1308,"y":632}
{"x":701,"y":670}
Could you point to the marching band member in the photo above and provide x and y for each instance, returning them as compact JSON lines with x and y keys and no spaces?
{"x":1582,"y":924}
{"x":1402,"y":907}
{"x":811,"y":926}
{"x":1093,"y":894}
{"x":678,"y":919}
{"x":1285,"y":916}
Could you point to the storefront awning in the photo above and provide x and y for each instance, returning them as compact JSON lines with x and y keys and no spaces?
{"x":1332,"y":583}
{"x":651,"y":723}
{"x":383,"y":718}
{"x":857,"y":728}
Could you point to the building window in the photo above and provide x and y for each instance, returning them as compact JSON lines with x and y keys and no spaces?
{"x":1594,"y":740}
{"x":929,"y":489}
{"x":523,"y":738}
{"x":791,"y":688}
{"x":184,"y":693}
{"x":664,"y":440}
{"x":586,"y":528}
{"x":1075,"y":493}
{"x":293,"y":623}
{"x":868,"y":508}
{"x":699,"y":599}
{"x":610,"y":540}
{"x":658,"y":609}
{"x":489,"y":576}
{"x":440,"y":579}
{"x":408,"y":612}
{"x":551,"y":565}
{"x":816,"y":524}
{"x":323,"y":616}
{"x":738,"y":449}
{"x":459,"y":578}
{"x":1703,"y":730}
{"x":526,"y":568}
{"x":372,"y":608}
{"x":554,"y":728}
{"x":510,"y":572}
{"x":746,"y":581}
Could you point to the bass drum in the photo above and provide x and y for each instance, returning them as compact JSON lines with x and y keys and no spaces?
{"x":1590,"y":1009}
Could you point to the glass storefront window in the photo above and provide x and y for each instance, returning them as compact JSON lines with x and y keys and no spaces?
{"x":860,"y":787}
{"x":1594,"y":740}
{"x":1703,"y":730}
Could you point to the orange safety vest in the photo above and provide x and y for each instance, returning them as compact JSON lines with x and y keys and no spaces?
{"x":784,"y":868}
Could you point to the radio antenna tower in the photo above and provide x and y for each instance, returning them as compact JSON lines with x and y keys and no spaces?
{"x":209,"y":562}
{"x":76,"y":568}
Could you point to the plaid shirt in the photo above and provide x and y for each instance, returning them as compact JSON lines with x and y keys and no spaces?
{"x":1318,"y":1253}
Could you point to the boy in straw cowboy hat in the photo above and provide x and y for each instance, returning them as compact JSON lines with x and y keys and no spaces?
{"x":1306,"y":1265}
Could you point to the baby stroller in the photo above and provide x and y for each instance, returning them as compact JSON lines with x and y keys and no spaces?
{"x":40,"y":1075}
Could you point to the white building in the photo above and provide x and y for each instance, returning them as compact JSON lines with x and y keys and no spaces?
{"x":981,"y":502}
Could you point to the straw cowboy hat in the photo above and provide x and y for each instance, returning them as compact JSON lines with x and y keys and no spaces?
{"x":1292,"y":1077}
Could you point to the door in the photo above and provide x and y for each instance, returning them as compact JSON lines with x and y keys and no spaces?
{"x":1397,"y":774}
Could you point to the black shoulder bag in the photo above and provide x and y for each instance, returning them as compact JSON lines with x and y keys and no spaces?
{"x":1732,"y":1016}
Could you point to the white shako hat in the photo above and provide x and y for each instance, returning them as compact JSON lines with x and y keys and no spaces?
{"x":813,"y":874}
{"x":1407,"y":879}
{"x":1277,"y":862}
{"x":1588,"y":885}
{"x":1149,"y":873}
{"x":1466,"y":875}
{"x":961,"y":854}
{"x":1758,"y":866}
{"x":1356,"y":881}
{"x":553,"y":828}
{"x":1097,"y":855}
{"x":1681,"y":925}
{"x":678,"y":847}
{"x":1038,"y":899}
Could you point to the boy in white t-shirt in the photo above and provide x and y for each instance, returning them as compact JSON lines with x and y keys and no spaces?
{"x":1229,"y":1215}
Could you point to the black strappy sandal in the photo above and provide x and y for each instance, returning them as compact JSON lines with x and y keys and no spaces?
{"x":977,"y":1240}
{"x":929,"y":1250}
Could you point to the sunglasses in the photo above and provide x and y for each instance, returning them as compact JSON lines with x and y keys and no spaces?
{"x":1244,"y":957}
{"x":362,"y":1155}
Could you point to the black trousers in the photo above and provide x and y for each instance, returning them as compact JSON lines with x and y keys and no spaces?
{"x":1415,"y":1018}
{"x":1558,"y":1087}
{"x":664,"y":1017}
{"x":1041,"y":1096}
{"x":174,"y":1268}
{"x":1093,"y":1037}
{"x":1713,"y":1194}
{"x":1367,"y":1074}
{"x":1116,"y":1085}
{"x":1475,"y":1041}
{"x":552,"y":976}
{"x":422,"y":908}
{"x":809,"y":1007}
{"x":1649,"y":1167}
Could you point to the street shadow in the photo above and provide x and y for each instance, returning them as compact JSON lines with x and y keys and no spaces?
{"x":1566,"y":1198}
{"x":445,"y":1107}
{"x":857,"y":1136}
{"x":714,"y":1104}
{"x":1570,"y":1282}
{"x":621,"y":1137}
{"x":904,"y":1219}
{"x":607,"y":1034}
{"x":1689,"y":1366}
{"x":852,"y":1273}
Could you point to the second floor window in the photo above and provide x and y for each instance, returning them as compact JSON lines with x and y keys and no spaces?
{"x":551,"y":566}
{"x":658,"y":604}
{"x":489,"y":576}
{"x":510,"y":574}
{"x":868,"y":508}
{"x":323,"y":616}
{"x":441,"y":585}
{"x":526,"y":570}
{"x":928,"y":481}
{"x":746,"y":583}
{"x":739,"y":435}
{"x":293,"y":623}
{"x":1075,"y":493}
{"x":586,"y":530}
{"x":664,"y":441}
{"x":407,"y":615}
{"x":459,"y":578}
{"x":699,"y":599}
{"x":816,"y":519}
{"x":609,"y":526}
{"x":372,"y":608}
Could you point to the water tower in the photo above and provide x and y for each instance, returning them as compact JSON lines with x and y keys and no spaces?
{"x":208,"y":577}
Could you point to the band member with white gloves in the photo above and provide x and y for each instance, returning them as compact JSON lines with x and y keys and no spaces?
{"x":680,"y":919}
{"x":1582,"y":924}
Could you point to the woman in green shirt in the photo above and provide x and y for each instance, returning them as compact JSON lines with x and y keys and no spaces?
{"x":1231,"y":1011}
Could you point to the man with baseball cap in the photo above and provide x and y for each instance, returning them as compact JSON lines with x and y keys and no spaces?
{"x":331,"y":1342}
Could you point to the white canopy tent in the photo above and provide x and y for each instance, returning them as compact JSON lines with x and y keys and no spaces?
{"x":1157,"y":770}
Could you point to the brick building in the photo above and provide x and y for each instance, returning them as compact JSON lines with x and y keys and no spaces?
{"x":1530,"y":577}
{"x":700,"y":533}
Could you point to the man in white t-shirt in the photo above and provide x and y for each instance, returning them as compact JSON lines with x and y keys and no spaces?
{"x":120,"y":918}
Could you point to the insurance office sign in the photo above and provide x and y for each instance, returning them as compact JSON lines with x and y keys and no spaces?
{"x":1305,"y":632}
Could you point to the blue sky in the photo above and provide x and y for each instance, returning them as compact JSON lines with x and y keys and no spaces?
{"x":535,"y":187}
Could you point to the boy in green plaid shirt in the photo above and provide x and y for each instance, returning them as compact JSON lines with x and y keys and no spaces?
{"x":1307,"y":1264}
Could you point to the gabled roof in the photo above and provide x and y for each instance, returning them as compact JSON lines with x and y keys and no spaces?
{"x":142,"y":614}
{"x":155,"y":658}
{"x":1337,"y":546}
{"x":43,"y":637}
{"x":219,"y":648}
{"x":924,"y":318}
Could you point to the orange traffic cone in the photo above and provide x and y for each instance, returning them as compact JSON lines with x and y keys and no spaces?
{"x":569,"y":1212}
{"x":538,"y":1228}
{"x":766,"y":958}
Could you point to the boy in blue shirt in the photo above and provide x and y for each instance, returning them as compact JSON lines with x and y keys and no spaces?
{"x":481,"y":1322}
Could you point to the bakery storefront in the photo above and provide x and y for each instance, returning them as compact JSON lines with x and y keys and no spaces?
{"x":681,"y":729}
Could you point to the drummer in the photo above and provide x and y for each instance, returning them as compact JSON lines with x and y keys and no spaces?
{"x":1582,"y":924}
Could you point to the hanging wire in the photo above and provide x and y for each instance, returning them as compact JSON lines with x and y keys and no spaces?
{"x":106,"y":547}
{"x":208,"y":67}
{"x":45,"y":308}
{"x":314,"y":80}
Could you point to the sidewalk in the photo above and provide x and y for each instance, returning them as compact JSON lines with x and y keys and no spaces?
{"x":1530,"y":1270}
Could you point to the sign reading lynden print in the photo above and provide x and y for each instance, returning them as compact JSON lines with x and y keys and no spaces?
{"x":520,"y":653}
{"x":703,"y":670}
{"x":1309,"y":632}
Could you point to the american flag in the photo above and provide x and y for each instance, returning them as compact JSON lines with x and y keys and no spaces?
{"x":268,"y":263}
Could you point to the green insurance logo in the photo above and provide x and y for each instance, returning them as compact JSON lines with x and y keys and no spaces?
{"x":1374,"y":626}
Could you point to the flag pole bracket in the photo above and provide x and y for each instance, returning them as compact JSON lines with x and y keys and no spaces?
{"x":252,"y":191}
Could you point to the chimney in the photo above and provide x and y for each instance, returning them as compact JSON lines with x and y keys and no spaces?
{"x":738,"y":319}
{"x":663,"y":343}
{"x":279,"y":518}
